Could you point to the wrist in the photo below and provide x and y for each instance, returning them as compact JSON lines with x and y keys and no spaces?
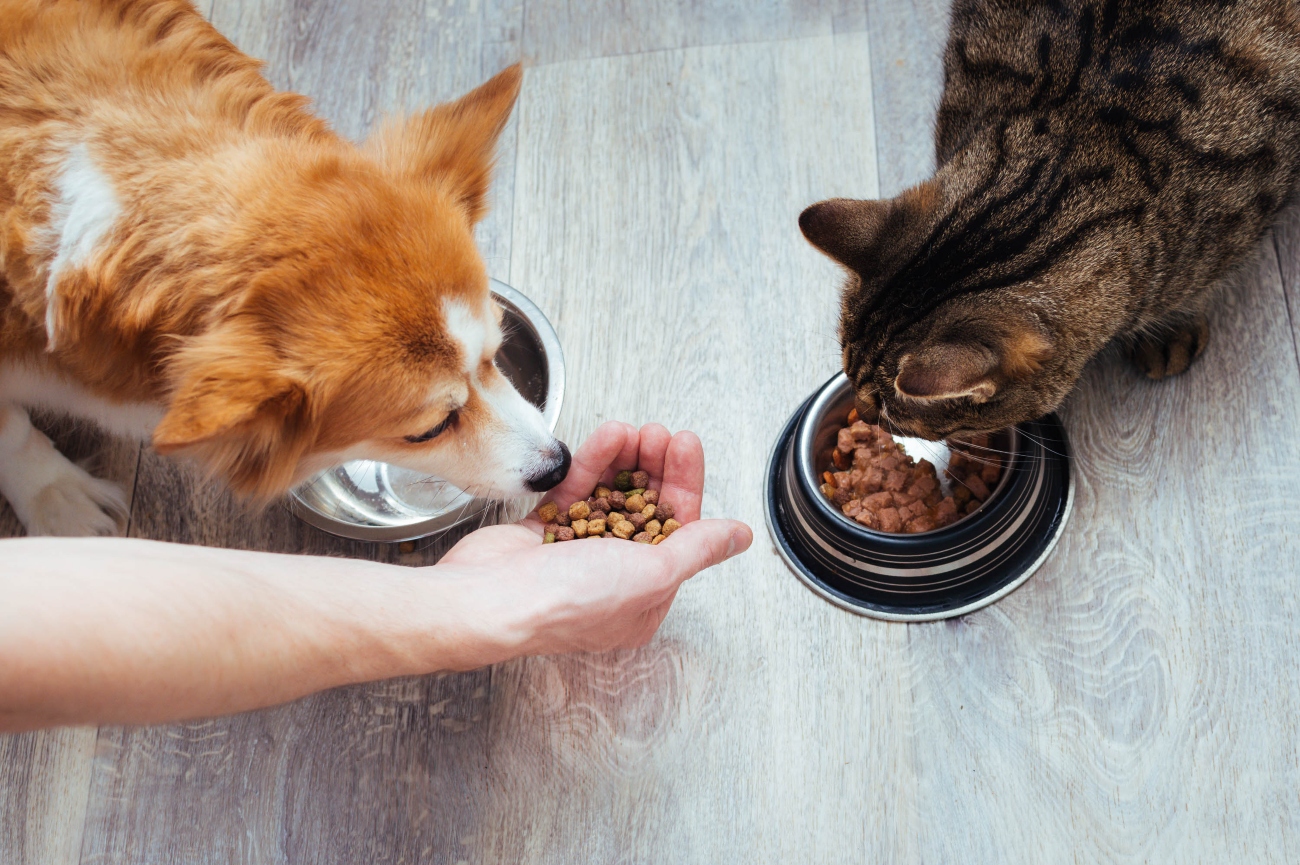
{"x":450,"y":621}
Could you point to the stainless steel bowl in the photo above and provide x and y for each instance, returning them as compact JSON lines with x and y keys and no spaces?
{"x":372,"y":501}
{"x":932,"y":575}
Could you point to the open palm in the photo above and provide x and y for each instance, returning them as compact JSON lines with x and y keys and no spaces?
{"x":592,"y":595}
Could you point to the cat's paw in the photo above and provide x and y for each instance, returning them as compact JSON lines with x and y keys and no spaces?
{"x":75,"y":504}
{"x":1171,"y":351}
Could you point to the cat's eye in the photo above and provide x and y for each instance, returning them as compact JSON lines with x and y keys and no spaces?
{"x":447,"y":423}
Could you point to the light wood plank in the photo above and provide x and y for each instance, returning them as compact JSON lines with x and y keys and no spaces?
{"x":557,"y":31}
{"x":1127,"y":704}
{"x":655,"y":220}
{"x":907,"y":42}
{"x":44,"y":784}
{"x":45,"y":775}
{"x":360,"y":774}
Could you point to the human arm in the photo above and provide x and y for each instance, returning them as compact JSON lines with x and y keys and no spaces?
{"x":132,"y":631}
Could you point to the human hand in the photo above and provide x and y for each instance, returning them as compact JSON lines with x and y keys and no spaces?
{"x":527,"y":598}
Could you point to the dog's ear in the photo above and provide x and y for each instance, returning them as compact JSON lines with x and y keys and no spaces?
{"x":454,"y":144}
{"x":235,"y":414}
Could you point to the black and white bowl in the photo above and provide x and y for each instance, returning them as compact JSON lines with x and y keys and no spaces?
{"x":933,"y":575}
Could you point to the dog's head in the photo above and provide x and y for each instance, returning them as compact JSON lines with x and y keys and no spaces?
{"x":365,"y":329}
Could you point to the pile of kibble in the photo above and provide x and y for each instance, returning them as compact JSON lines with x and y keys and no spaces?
{"x":630,"y":511}
{"x":875,"y":482}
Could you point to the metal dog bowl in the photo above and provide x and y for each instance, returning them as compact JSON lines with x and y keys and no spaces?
{"x":371,"y":501}
{"x":932,"y":575}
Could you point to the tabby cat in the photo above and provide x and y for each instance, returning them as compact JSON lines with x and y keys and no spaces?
{"x":1102,"y":165}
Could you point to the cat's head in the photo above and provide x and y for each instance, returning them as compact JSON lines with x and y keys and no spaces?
{"x":941,"y":333}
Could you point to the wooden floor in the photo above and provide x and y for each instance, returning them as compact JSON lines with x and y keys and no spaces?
{"x":1134,"y":702}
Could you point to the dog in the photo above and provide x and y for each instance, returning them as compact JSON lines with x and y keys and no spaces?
{"x":191,"y":257}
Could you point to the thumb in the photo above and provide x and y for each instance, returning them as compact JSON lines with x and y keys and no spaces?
{"x":704,"y":543}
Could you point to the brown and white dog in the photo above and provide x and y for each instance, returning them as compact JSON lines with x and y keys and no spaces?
{"x":190,"y":256}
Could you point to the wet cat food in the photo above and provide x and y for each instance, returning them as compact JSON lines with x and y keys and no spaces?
{"x":874,"y":481}
{"x":629,"y":511}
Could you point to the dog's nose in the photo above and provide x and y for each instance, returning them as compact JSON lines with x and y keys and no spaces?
{"x":551,"y":479}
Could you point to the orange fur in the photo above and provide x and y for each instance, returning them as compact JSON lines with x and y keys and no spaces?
{"x":277,"y":289}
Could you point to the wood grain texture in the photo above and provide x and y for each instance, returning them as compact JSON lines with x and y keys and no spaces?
{"x":44,"y":784}
{"x":1132,"y":702}
{"x":386,"y":772}
{"x":907,"y":42}
{"x":45,"y":775}
{"x":655,"y":223}
{"x":1128,"y":703}
{"x":558,"y":31}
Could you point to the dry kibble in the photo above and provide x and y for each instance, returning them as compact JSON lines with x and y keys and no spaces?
{"x":630,"y":512}
{"x":659,"y":539}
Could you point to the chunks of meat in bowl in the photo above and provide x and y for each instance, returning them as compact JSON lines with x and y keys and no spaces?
{"x":876,"y":483}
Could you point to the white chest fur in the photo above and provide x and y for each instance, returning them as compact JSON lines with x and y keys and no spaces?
{"x":83,"y":212}
{"x":37,"y":387}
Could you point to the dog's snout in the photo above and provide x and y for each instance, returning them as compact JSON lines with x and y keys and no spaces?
{"x":551,"y":477}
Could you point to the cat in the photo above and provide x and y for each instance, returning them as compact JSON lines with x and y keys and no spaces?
{"x":1102,"y":166}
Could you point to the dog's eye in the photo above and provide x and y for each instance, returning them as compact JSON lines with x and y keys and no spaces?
{"x":447,"y":422}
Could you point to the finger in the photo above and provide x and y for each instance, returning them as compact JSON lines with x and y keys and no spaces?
{"x":654,"y":447}
{"x":602,"y":448}
{"x":703,"y":544}
{"x":683,"y":476}
{"x":627,"y":457}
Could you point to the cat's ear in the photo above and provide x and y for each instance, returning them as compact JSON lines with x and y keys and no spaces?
{"x":853,"y":232}
{"x":972,"y":369}
{"x":948,"y":370}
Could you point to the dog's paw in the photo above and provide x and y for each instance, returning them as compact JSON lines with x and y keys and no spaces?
{"x":1172,"y":351}
{"x":75,"y":504}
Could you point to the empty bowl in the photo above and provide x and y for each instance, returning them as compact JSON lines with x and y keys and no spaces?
{"x":371,"y":501}
{"x":938,"y":574}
